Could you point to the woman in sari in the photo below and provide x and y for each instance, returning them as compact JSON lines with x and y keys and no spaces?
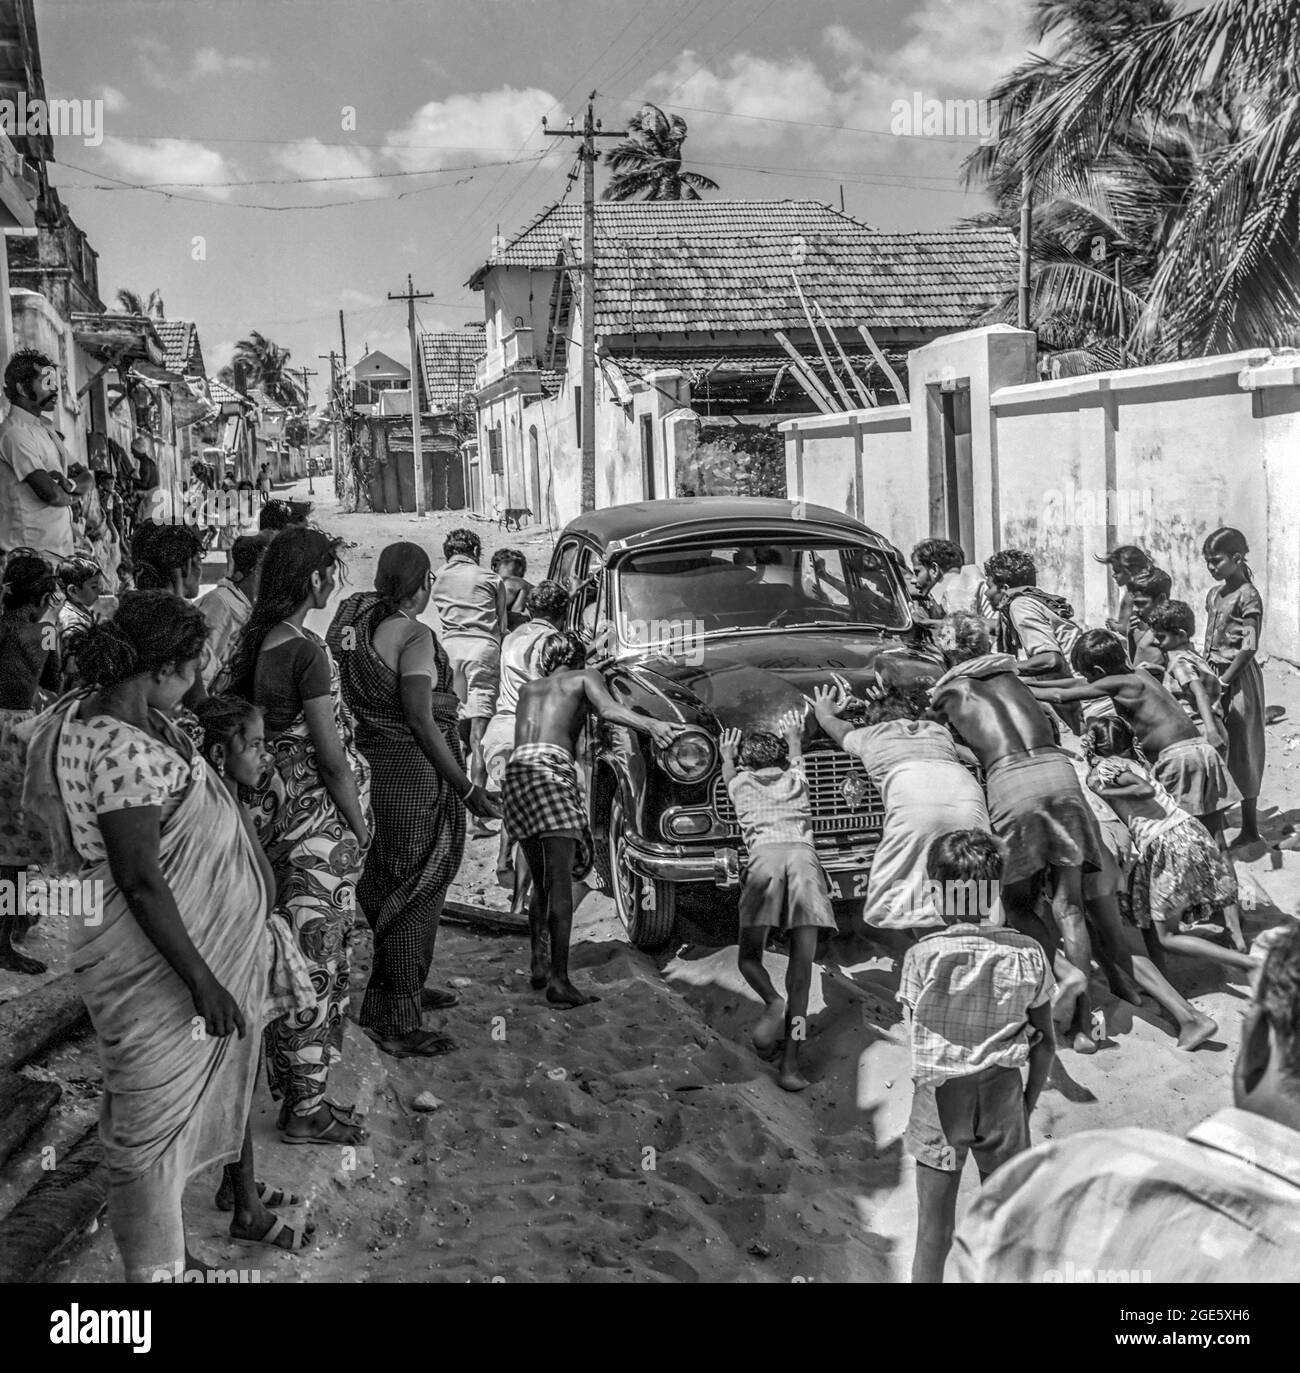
{"x":169,"y":944}
{"x":397,"y":682}
{"x":312,"y":814}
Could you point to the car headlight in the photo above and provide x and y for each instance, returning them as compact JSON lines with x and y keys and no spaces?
{"x":690,"y":757}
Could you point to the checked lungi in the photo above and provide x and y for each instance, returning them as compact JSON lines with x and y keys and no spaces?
{"x":541,"y":795}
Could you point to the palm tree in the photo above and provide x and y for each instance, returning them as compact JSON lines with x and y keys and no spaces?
{"x":259,"y":362}
{"x":648,"y":166}
{"x":1226,"y":270}
{"x":133,"y":303}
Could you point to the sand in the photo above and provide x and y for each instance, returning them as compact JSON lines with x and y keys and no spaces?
{"x":640,"y":1138}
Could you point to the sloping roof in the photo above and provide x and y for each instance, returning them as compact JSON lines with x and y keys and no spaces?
{"x":376,"y":362}
{"x":181,"y":339}
{"x":721,"y":266}
{"x":221,"y":394}
{"x":448,"y":363}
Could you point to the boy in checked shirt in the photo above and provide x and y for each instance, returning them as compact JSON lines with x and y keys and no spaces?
{"x":784,"y":885}
{"x":980,"y":1003}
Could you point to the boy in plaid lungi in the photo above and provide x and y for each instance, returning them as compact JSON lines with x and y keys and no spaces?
{"x":542,"y":801}
{"x":784,"y":881}
{"x":980,"y":1003}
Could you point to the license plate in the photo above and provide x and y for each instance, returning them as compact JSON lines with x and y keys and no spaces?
{"x":850,"y":886}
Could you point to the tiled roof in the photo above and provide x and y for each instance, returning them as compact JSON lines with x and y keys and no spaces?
{"x":221,"y":394}
{"x":721,"y":266}
{"x":181,"y":339}
{"x":696,"y":366}
{"x":448,"y":363}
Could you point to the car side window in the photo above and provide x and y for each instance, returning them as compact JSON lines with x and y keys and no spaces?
{"x":584,"y":603}
{"x":565,"y":566}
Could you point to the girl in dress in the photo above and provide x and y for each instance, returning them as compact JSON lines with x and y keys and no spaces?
{"x":1234,"y":616}
{"x":1178,"y":863}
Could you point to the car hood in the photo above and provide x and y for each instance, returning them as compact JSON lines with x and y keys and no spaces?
{"x":751,"y":680}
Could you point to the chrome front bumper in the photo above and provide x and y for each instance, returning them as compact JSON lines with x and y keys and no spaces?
{"x":721,"y":865}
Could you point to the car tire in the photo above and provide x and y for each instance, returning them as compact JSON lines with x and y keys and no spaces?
{"x":649,"y":926}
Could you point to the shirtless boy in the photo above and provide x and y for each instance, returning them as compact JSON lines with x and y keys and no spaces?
{"x":1036,"y":805}
{"x":542,"y":800}
{"x":1183,"y":760}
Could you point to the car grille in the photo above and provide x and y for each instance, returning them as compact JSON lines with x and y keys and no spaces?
{"x":832,"y":811}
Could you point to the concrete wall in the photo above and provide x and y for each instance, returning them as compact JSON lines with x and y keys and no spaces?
{"x":1157,"y":456}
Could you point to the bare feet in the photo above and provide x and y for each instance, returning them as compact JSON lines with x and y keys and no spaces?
{"x":14,"y":962}
{"x":771,"y":1026}
{"x":540,"y":974}
{"x":1083,"y":1043}
{"x":1069,"y":987}
{"x":1123,"y":986}
{"x":1192,"y":1036}
{"x":792,"y":1080}
{"x":564,"y":993}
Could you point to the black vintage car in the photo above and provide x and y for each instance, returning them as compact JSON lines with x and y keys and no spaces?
{"x":722,"y":613}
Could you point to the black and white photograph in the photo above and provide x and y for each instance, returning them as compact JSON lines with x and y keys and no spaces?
{"x":650,"y":642}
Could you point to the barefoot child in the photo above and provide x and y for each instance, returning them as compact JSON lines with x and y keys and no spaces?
{"x":1182,"y":759}
{"x":1124,"y":562}
{"x":1189,"y":678}
{"x":1234,"y":616}
{"x":1147,"y":590}
{"x":511,"y":566}
{"x":234,"y":745}
{"x":1036,"y":808}
{"x":1178,"y":864}
{"x":979,"y":999}
{"x":542,"y":801}
{"x":784,"y":886}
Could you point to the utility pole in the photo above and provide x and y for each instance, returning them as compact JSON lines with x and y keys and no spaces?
{"x":417,"y":446}
{"x":591,"y":131}
{"x":336,"y":411}
{"x":304,"y":373}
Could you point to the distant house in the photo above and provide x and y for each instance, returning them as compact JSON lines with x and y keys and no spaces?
{"x":189,"y":387}
{"x":449,"y":371}
{"x":375,"y":375}
{"x":689,"y":298}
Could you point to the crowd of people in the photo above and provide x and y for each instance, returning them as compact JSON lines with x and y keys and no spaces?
{"x":243,"y":788}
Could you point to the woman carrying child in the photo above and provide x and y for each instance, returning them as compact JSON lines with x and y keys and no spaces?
{"x":1234,"y":617}
{"x":1178,"y":863}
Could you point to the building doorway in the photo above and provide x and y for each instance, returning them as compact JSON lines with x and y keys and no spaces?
{"x":535,"y":472}
{"x":952,"y":496}
{"x":648,"y":456}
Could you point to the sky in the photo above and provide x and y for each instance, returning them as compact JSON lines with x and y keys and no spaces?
{"x":304,"y":156}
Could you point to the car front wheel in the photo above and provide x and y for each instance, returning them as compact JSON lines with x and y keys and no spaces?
{"x":647,"y":908}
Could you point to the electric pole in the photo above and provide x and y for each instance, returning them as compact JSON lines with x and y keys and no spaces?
{"x":591,"y":131}
{"x":417,"y":447}
{"x":306,"y":424}
{"x":336,"y":411}
{"x":1026,"y":234}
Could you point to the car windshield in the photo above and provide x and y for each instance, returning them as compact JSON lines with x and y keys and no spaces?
{"x":670,"y":594}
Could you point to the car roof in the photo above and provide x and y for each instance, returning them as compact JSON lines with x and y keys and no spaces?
{"x":645,"y":522}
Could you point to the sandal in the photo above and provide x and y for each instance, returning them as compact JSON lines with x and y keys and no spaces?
{"x":271,"y":1197}
{"x":423,"y":1044}
{"x":336,"y":1132}
{"x":435,"y":999}
{"x":298,"y":1239}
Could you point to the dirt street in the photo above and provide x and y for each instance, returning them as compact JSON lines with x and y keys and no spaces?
{"x":640,"y":1138}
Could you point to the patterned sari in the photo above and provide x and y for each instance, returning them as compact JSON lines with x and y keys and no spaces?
{"x":316,"y":859}
{"x":419,"y":820}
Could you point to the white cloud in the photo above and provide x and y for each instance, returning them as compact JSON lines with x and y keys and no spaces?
{"x":352,"y":299}
{"x":309,"y":157}
{"x":798,"y":102}
{"x":210,"y":62}
{"x":481,"y":126}
{"x":161,"y":68}
{"x":171,"y":161}
{"x":218,"y":355}
{"x":113,"y":99}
